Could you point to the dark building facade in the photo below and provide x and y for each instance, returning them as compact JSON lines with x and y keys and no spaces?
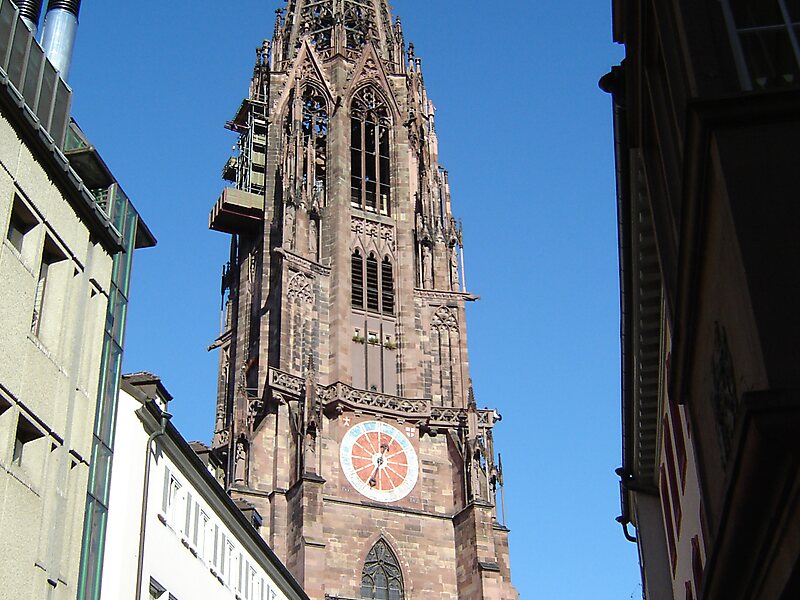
{"x":707,"y":118}
{"x":345,"y":410}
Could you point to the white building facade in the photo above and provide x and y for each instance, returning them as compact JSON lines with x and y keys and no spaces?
{"x":197,"y":544}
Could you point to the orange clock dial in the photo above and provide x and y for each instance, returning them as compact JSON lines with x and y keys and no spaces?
{"x":379,"y":461}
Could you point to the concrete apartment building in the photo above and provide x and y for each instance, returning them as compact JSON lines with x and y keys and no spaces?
{"x":69,"y":234}
{"x":707,"y":119}
{"x":194,"y":542}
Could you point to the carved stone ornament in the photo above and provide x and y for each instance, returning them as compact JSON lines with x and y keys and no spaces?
{"x":313,"y":238}
{"x":298,"y":262}
{"x":368,"y":101}
{"x":444,"y":296}
{"x":301,"y":288}
{"x":254,"y":407}
{"x":333,"y":397}
{"x":307,"y":71}
{"x":285,"y":382}
{"x":453,"y":417}
{"x":377,"y":231}
{"x":444,"y":318}
{"x":370,"y":70}
{"x":221,"y":437}
{"x":240,"y":472}
{"x":288,"y":225}
{"x":357,"y":226}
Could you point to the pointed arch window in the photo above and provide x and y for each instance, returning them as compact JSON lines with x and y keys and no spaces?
{"x":318,"y":17}
{"x":357,"y":269}
{"x":381,"y":578}
{"x":372,"y":283}
{"x":387,"y":287}
{"x":308,"y":140}
{"x":370,"y":178}
{"x":358,"y":17}
{"x":315,"y":142}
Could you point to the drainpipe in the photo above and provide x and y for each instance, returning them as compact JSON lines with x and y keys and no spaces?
{"x":29,"y":12}
{"x":58,"y":33}
{"x":165,"y":417}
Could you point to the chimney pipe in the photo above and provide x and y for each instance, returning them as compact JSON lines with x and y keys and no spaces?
{"x":58,"y":34}
{"x":29,"y":12}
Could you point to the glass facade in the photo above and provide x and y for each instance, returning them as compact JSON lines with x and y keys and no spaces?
{"x":766,"y":41}
{"x":125,"y":219}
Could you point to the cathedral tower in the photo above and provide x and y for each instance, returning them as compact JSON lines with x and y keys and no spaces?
{"x":345,"y":411}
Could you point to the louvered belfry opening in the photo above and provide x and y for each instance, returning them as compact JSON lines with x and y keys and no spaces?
{"x":387,"y":287}
{"x":372,"y":283}
{"x":357,"y":269}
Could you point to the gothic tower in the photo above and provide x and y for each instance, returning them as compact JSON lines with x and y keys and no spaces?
{"x":345,"y":411}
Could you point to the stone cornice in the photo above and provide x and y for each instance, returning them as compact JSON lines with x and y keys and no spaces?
{"x":305,"y":265}
{"x":339,"y":396}
{"x":445,"y":295}
{"x":388,"y":507}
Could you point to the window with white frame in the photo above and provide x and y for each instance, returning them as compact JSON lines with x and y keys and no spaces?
{"x":201,"y":526}
{"x":169,"y":505}
{"x":764,"y":35}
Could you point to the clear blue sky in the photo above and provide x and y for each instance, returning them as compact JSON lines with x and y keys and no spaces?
{"x":526,"y":135}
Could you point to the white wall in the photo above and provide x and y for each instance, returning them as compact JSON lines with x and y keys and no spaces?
{"x":182,"y":561}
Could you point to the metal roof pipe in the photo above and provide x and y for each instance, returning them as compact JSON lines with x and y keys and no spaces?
{"x":29,"y":12}
{"x":58,"y":34}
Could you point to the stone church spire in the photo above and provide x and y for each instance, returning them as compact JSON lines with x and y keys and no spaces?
{"x":344,"y":390}
{"x":341,"y":27}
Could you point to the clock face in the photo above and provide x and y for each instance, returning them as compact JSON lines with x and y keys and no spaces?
{"x":379,"y":461}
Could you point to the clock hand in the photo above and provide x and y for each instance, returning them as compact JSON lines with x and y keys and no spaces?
{"x":384,"y":448}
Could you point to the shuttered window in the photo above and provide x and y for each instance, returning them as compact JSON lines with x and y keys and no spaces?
{"x":387,"y":287}
{"x":372,"y":283}
{"x":357,"y":268}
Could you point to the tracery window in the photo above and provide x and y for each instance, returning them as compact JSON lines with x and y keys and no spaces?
{"x":319,"y":18}
{"x":765,"y":38}
{"x":315,"y":135}
{"x":370,"y":182}
{"x":381,"y":577}
{"x":358,"y":16}
{"x":311,"y":145}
